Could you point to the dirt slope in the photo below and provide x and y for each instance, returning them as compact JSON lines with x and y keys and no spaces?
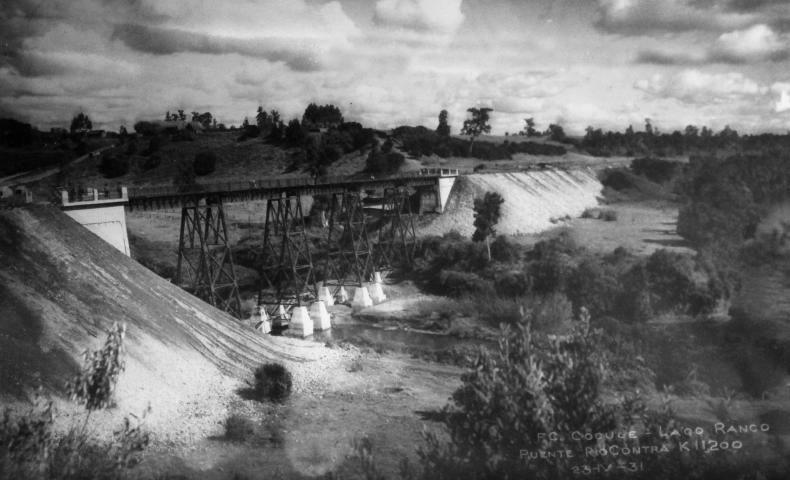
{"x":532,"y":200}
{"x":61,"y":288}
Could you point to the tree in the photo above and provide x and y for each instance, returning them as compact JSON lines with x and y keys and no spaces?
{"x":487,"y":213}
{"x":261,"y":117}
{"x":323,"y":116}
{"x":81,"y":123}
{"x":556,"y":133}
{"x":443,"y":129}
{"x":529,"y":128}
{"x":294,"y":134}
{"x":476,"y":125}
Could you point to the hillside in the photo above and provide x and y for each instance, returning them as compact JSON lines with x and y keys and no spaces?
{"x":61,"y":289}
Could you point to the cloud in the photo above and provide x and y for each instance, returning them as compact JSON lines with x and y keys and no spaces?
{"x":298,"y":54}
{"x":639,"y":17}
{"x":783,"y":104}
{"x":439,"y":16}
{"x":758,"y":42}
{"x":658,"y":57}
{"x":697,"y":87}
{"x":754,"y":5}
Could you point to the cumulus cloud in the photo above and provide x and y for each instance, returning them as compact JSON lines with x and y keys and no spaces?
{"x":638,"y":17}
{"x":441,"y":16}
{"x":697,"y":87}
{"x":758,"y":42}
{"x":783,"y":104}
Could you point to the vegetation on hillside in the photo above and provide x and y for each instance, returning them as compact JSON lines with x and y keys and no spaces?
{"x":33,"y":447}
{"x":618,"y":285}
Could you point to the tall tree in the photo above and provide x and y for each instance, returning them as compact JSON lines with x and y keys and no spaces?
{"x":81,"y":122}
{"x":261,"y":117}
{"x":529,"y":128}
{"x":443,"y":129}
{"x":487,"y":213}
{"x":294,"y":134}
{"x":476,"y":124}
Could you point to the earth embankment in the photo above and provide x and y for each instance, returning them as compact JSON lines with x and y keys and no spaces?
{"x":61,"y":290}
{"x":533,"y":200}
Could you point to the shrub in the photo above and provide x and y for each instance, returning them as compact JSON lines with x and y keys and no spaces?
{"x":30,"y":448}
{"x":384,"y":163}
{"x":526,"y":398}
{"x":356,"y":365}
{"x":238,"y":428}
{"x":655,"y":169}
{"x":94,"y":385}
{"x":151,"y":162}
{"x":617,"y":179}
{"x":272,"y":382}
{"x":184,"y":179}
{"x":459,"y":283}
{"x":608,"y":215}
{"x":512,"y":396}
{"x":511,"y":283}
{"x":146,"y":129}
{"x":505,"y":251}
{"x":113,"y":165}
{"x":204,"y":163}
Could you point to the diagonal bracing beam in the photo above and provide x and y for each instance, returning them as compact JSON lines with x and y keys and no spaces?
{"x":397,"y":236}
{"x":286,"y":266}
{"x":205,"y":262}
{"x":349,"y":258}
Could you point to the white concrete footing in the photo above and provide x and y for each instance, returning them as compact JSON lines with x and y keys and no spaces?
{"x":260,"y":320}
{"x":376,"y":293}
{"x":320,"y":317}
{"x":301,"y":323}
{"x":325,"y":296}
{"x":342,"y":295}
{"x":361,"y":299}
{"x":282,"y":316}
{"x":377,"y":277}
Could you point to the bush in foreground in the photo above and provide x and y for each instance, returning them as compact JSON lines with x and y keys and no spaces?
{"x":32,"y":448}
{"x":272,"y":382}
{"x":534,"y":397}
{"x":94,"y":385}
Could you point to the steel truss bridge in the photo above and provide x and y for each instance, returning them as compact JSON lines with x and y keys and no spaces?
{"x":356,"y":240}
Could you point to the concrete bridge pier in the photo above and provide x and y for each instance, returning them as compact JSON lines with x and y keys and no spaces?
{"x":103,"y":213}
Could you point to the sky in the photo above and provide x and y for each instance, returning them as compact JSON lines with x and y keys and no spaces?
{"x":385,"y":63}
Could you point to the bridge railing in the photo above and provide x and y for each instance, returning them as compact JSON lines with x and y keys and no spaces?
{"x":275,"y":183}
